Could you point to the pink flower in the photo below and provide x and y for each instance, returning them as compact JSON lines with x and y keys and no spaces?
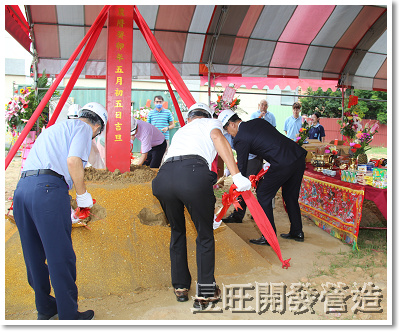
{"x":374,"y":128}
{"x":327,"y":151}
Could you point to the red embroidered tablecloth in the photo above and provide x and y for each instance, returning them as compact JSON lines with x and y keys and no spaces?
{"x":336,"y":206}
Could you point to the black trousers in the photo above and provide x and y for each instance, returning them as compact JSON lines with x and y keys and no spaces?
{"x":253,"y":168}
{"x":188,"y":183}
{"x":289,"y":178}
{"x":155,"y":155}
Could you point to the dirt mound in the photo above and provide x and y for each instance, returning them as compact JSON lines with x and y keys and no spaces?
{"x":137,"y":174}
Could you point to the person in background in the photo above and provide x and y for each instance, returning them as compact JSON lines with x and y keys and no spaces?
{"x":316,"y":130}
{"x":185,"y":180}
{"x":42,"y":210}
{"x":286,"y":169}
{"x":161,"y":118}
{"x":293,"y":123}
{"x":153,"y":143}
{"x":263,"y":113}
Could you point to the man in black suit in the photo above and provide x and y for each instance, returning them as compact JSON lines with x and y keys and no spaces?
{"x":287,"y":164}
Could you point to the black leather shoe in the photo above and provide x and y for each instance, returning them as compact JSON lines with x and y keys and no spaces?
{"x":181,"y":294}
{"x":202,"y":303}
{"x":232,"y":219}
{"x":42,"y":316}
{"x":87,"y":315}
{"x":298,"y":237}
{"x":259,"y":241}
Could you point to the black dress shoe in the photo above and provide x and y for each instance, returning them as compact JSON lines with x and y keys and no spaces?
{"x":181,"y":294}
{"x":232,"y":219}
{"x":259,"y":241}
{"x":202,"y":302}
{"x":87,"y":315}
{"x":299,"y":237}
{"x":42,"y":316}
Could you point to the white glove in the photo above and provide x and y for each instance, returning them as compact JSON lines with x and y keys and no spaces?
{"x":74,"y":218}
{"x":242,"y":183}
{"x":84,"y":200}
{"x":266,"y":165}
{"x":226,"y":172}
{"x":216,"y":224}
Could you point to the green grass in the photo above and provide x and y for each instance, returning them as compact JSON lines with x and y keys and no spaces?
{"x":377,"y":152}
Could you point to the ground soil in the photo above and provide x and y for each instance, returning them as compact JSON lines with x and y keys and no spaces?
{"x":315,"y":263}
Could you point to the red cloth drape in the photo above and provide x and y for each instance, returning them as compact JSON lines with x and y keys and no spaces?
{"x":164,"y":63}
{"x":259,"y":216}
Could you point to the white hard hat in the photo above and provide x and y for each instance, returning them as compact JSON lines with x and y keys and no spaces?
{"x":98,"y":109}
{"x":202,"y":106}
{"x":133,"y":125}
{"x":224,"y":116}
{"x":73,"y":111}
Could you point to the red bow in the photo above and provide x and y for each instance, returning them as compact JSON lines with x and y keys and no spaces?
{"x":227,"y":200}
{"x":83,"y":213}
{"x":254,"y":179}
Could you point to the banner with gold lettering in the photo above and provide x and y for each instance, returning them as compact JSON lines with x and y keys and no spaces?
{"x":119,"y":83}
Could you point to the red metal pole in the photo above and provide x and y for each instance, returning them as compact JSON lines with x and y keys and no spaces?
{"x":50,"y":92}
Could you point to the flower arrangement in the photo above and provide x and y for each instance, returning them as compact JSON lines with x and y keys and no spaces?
{"x":21,"y":107}
{"x":351,"y":123}
{"x":16,"y":115}
{"x":303,"y":133}
{"x":142,"y":113}
{"x":225,"y":101}
{"x":363,"y":138}
{"x":329,"y":150}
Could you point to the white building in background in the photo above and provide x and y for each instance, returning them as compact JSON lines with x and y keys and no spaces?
{"x":17,"y":63}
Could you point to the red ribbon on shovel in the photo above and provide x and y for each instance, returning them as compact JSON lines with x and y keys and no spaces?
{"x":256,"y":211}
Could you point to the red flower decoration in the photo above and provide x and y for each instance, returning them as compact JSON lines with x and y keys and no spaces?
{"x":357,"y":145}
{"x":353,"y":150}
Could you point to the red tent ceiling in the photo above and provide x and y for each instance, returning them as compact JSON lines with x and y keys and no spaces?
{"x":316,"y":45}
{"x":17,"y":26}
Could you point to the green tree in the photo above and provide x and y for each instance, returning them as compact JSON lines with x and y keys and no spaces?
{"x":328,"y":107}
{"x":332,"y":108}
{"x":33,"y":101}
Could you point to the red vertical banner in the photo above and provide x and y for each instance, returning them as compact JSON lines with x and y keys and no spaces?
{"x":118,"y":89}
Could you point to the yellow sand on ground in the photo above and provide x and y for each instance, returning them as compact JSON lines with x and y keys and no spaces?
{"x":123,"y":253}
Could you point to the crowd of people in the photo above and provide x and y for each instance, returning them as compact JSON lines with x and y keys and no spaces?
{"x":185,"y":179}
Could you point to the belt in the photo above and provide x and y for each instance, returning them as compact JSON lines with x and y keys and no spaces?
{"x":186,"y":157}
{"x":41,"y":172}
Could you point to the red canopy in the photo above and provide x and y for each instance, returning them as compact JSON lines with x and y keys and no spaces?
{"x":324,"y":43}
{"x":17,"y":26}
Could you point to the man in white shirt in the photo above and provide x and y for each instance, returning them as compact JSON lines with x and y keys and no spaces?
{"x":263,"y":113}
{"x":186,"y":180}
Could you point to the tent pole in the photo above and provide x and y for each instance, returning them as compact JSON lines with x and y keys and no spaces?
{"x":209,"y":84}
{"x":342,"y":106}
